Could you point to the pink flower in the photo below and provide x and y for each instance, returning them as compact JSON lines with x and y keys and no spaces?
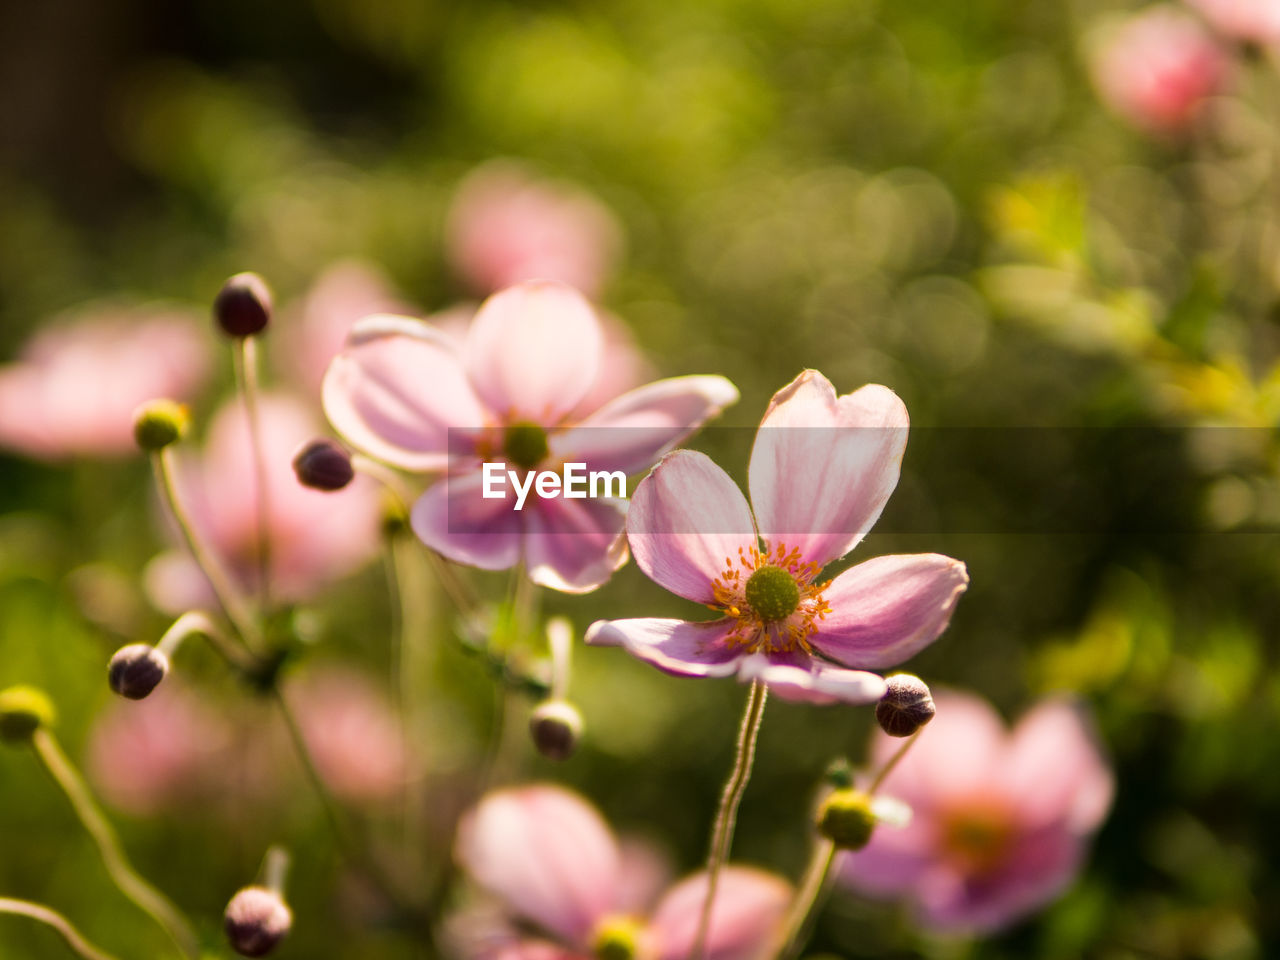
{"x":506,"y":226}
{"x":1253,"y":21}
{"x":314,"y":537}
{"x":1157,"y":68}
{"x":410,"y":395}
{"x":313,"y":330}
{"x":78,"y":383}
{"x":1000,"y":820}
{"x":353,"y":735}
{"x":822,"y":469}
{"x":552,"y":863}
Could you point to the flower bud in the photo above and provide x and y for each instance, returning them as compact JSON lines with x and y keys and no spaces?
{"x":905,"y":707}
{"x":158,"y":423}
{"x":23,"y":711}
{"x":618,"y":938}
{"x":323,"y":465}
{"x":243,"y":305}
{"x":256,"y":920}
{"x":846,"y":819}
{"x":136,"y":670}
{"x":556,"y":728}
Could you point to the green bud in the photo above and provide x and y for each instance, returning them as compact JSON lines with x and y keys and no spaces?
{"x":846,"y":819}
{"x":158,"y":423}
{"x":617,"y":938}
{"x":23,"y":711}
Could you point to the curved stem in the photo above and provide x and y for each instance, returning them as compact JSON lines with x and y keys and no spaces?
{"x":727,"y":814}
{"x":50,"y":917}
{"x":229,"y":599}
{"x":892,"y":762}
{"x":246,"y":364}
{"x":806,"y":901}
{"x":148,"y":899}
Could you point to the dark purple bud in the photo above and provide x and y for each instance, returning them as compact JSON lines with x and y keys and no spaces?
{"x":556,"y":728}
{"x":323,"y":465}
{"x":136,"y":670}
{"x":256,"y":920}
{"x":243,"y":305}
{"x":906,"y":706}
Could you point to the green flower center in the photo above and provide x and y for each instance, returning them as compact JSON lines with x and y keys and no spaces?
{"x":616,"y":938}
{"x":525,"y":444}
{"x":773,"y":593}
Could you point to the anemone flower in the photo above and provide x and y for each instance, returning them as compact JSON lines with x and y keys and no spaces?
{"x":562,"y":890}
{"x":1000,"y":820}
{"x":822,"y":469}
{"x":408,"y":394}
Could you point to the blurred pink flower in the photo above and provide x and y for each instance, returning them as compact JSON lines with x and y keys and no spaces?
{"x":315,"y":538}
{"x":408,"y":394}
{"x":1157,"y":68}
{"x":1253,"y":21}
{"x":506,"y":226}
{"x":313,"y":329}
{"x":552,"y":863}
{"x":77,"y":384}
{"x":822,"y":469}
{"x":159,"y":753}
{"x":353,"y":734}
{"x":1000,"y":819}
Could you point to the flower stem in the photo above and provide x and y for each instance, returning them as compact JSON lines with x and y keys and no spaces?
{"x":727,"y":814}
{"x":807,"y":899}
{"x":892,"y":762}
{"x":148,"y":899}
{"x":246,"y":364}
{"x":275,"y":869}
{"x":50,"y":917}
{"x":229,"y":599}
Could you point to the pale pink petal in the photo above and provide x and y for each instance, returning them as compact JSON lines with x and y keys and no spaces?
{"x":631,"y":432}
{"x":823,"y":466}
{"x":1255,"y":21}
{"x":454,"y":518}
{"x":397,"y":396}
{"x":484,"y":932}
{"x":546,"y":853}
{"x":957,"y":755}
{"x":885,"y":610}
{"x":894,"y":862}
{"x":574,"y":545}
{"x":817,"y":682}
{"x":646,"y":871}
{"x":750,"y":906}
{"x":533,"y":352}
{"x":687,"y":522}
{"x":1055,"y":769}
{"x":677,"y":647}
{"x":623,"y":366}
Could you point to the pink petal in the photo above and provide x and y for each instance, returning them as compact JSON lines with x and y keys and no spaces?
{"x":533,"y":351}
{"x":646,"y":871}
{"x":750,"y":906}
{"x":546,"y":853}
{"x":631,"y":432}
{"x":677,"y":647}
{"x":574,"y":545}
{"x":1055,"y":769}
{"x":687,"y":521}
{"x":454,"y":519}
{"x":823,"y":466}
{"x":885,"y":610}
{"x":817,"y":683}
{"x":894,"y":862}
{"x":396,"y":395}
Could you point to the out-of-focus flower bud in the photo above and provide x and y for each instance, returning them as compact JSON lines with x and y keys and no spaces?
{"x":256,"y":920}
{"x":618,"y":938}
{"x":158,"y":423}
{"x":243,"y":305}
{"x":556,"y":728}
{"x":137,"y":669}
{"x":23,"y":711}
{"x":323,"y":465}
{"x":906,"y":706}
{"x":846,"y":819}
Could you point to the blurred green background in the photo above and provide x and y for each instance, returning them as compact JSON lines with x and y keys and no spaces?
{"x":926,"y":195}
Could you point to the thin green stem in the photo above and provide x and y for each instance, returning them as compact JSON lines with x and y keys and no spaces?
{"x":806,"y":901}
{"x":892,"y":762}
{"x":148,"y":899}
{"x":246,"y":364}
{"x":50,"y":917}
{"x":412,"y":666}
{"x":275,"y":869}
{"x":727,"y":815}
{"x":229,"y":599}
